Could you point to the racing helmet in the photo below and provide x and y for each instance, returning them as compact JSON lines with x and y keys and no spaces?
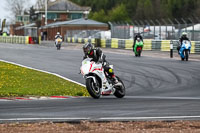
{"x":87,"y":48}
{"x":184,"y":34}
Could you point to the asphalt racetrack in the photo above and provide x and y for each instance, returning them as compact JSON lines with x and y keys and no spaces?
{"x":156,"y":88}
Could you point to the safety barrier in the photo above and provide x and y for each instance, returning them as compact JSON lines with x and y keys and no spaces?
{"x":79,"y":40}
{"x":20,"y":39}
{"x":160,"y":45}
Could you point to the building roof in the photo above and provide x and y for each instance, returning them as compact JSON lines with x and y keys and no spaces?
{"x":26,"y":26}
{"x":66,"y":6}
{"x":76,"y":22}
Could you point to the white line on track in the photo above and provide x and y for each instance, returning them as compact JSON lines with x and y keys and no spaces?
{"x":43,"y":71}
{"x":169,"y":98}
{"x":149,"y":118}
{"x":103,"y":118}
{"x":34,"y":119}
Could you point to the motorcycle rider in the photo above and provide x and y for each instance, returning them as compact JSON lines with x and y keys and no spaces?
{"x":97,"y":56}
{"x":57,"y":36}
{"x":183,"y":37}
{"x":135,"y":38}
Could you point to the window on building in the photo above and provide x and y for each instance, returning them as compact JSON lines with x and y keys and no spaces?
{"x":75,"y":15}
{"x":26,"y":18}
{"x":52,"y":16}
{"x":19,"y":18}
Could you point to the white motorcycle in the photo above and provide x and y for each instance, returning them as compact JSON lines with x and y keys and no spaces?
{"x":58,"y":43}
{"x":98,"y":82}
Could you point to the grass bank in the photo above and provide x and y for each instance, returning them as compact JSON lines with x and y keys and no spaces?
{"x":18,"y":81}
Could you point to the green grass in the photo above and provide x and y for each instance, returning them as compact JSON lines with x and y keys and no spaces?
{"x":18,"y":81}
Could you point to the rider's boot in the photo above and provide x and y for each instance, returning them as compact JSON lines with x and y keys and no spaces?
{"x":113,"y":77}
{"x":115,"y":80}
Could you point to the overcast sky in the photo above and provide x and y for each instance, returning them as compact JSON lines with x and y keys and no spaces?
{"x":4,"y":13}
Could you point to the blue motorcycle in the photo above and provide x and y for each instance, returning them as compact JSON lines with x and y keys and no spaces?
{"x":185,"y":50}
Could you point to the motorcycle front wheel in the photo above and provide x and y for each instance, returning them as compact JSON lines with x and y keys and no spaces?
{"x":120,"y":90}
{"x":186,"y":55}
{"x":93,"y":88}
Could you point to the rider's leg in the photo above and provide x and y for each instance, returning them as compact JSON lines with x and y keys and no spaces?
{"x":181,"y":53}
{"x":110,"y":71}
{"x":178,"y":48}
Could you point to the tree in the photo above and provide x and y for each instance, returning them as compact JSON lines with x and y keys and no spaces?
{"x":139,"y":14}
{"x":33,"y":15}
{"x":40,"y":4}
{"x":99,"y":16}
{"x":197,"y":10}
{"x":119,"y":13}
{"x":148,"y":10}
{"x":16,"y":7}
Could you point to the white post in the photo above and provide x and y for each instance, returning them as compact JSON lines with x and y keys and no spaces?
{"x":45,"y":12}
{"x":0,"y":23}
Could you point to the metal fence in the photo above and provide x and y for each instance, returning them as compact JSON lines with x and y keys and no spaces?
{"x":164,"y":29}
{"x":83,"y":33}
{"x":120,"y":30}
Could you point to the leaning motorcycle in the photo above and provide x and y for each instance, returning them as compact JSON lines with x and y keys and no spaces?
{"x":138,"y":47}
{"x":58,"y":43}
{"x":185,"y":50}
{"x":98,"y":82}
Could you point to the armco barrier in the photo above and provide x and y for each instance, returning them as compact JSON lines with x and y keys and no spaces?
{"x":160,"y":45}
{"x":14,"y":39}
{"x":19,"y":39}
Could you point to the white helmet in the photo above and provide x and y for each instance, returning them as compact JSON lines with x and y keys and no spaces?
{"x":58,"y":33}
{"x":184,"y":34}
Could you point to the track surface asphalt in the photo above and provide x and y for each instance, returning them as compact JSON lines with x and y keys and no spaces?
{"x":156,"y":88}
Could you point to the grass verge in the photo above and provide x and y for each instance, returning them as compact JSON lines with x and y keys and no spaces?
{"x":17,"y":81}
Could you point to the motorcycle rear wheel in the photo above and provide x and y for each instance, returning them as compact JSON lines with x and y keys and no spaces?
{"x":93,"y":89}
{"x":139,"y":53}
{"x":120,"y":90}
{"x":58,"y":46}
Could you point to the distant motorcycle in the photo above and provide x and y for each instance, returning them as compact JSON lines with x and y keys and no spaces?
{"x":185,"y":50}
{"x":138,"y":47}
{"x":98,"y":82}
{"x":58,"y":43}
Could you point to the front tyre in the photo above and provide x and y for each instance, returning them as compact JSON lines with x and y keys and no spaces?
{"x":93,"y":89}
{"x":120,"y":90}
{"x":186,"y":55}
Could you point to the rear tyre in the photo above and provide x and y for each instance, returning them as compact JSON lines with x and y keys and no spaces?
{"x":93,"y":89}
{"x":186,"y":55}
{"x":120,"y":90}
{"x":58,"y":46}
{"x":139,"y":53}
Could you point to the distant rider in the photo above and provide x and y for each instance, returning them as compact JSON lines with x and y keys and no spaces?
{"x":57,"y":36}
{"x":183,"y":37}
{"x":97,"y":56}
{"x":135,"y":38}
